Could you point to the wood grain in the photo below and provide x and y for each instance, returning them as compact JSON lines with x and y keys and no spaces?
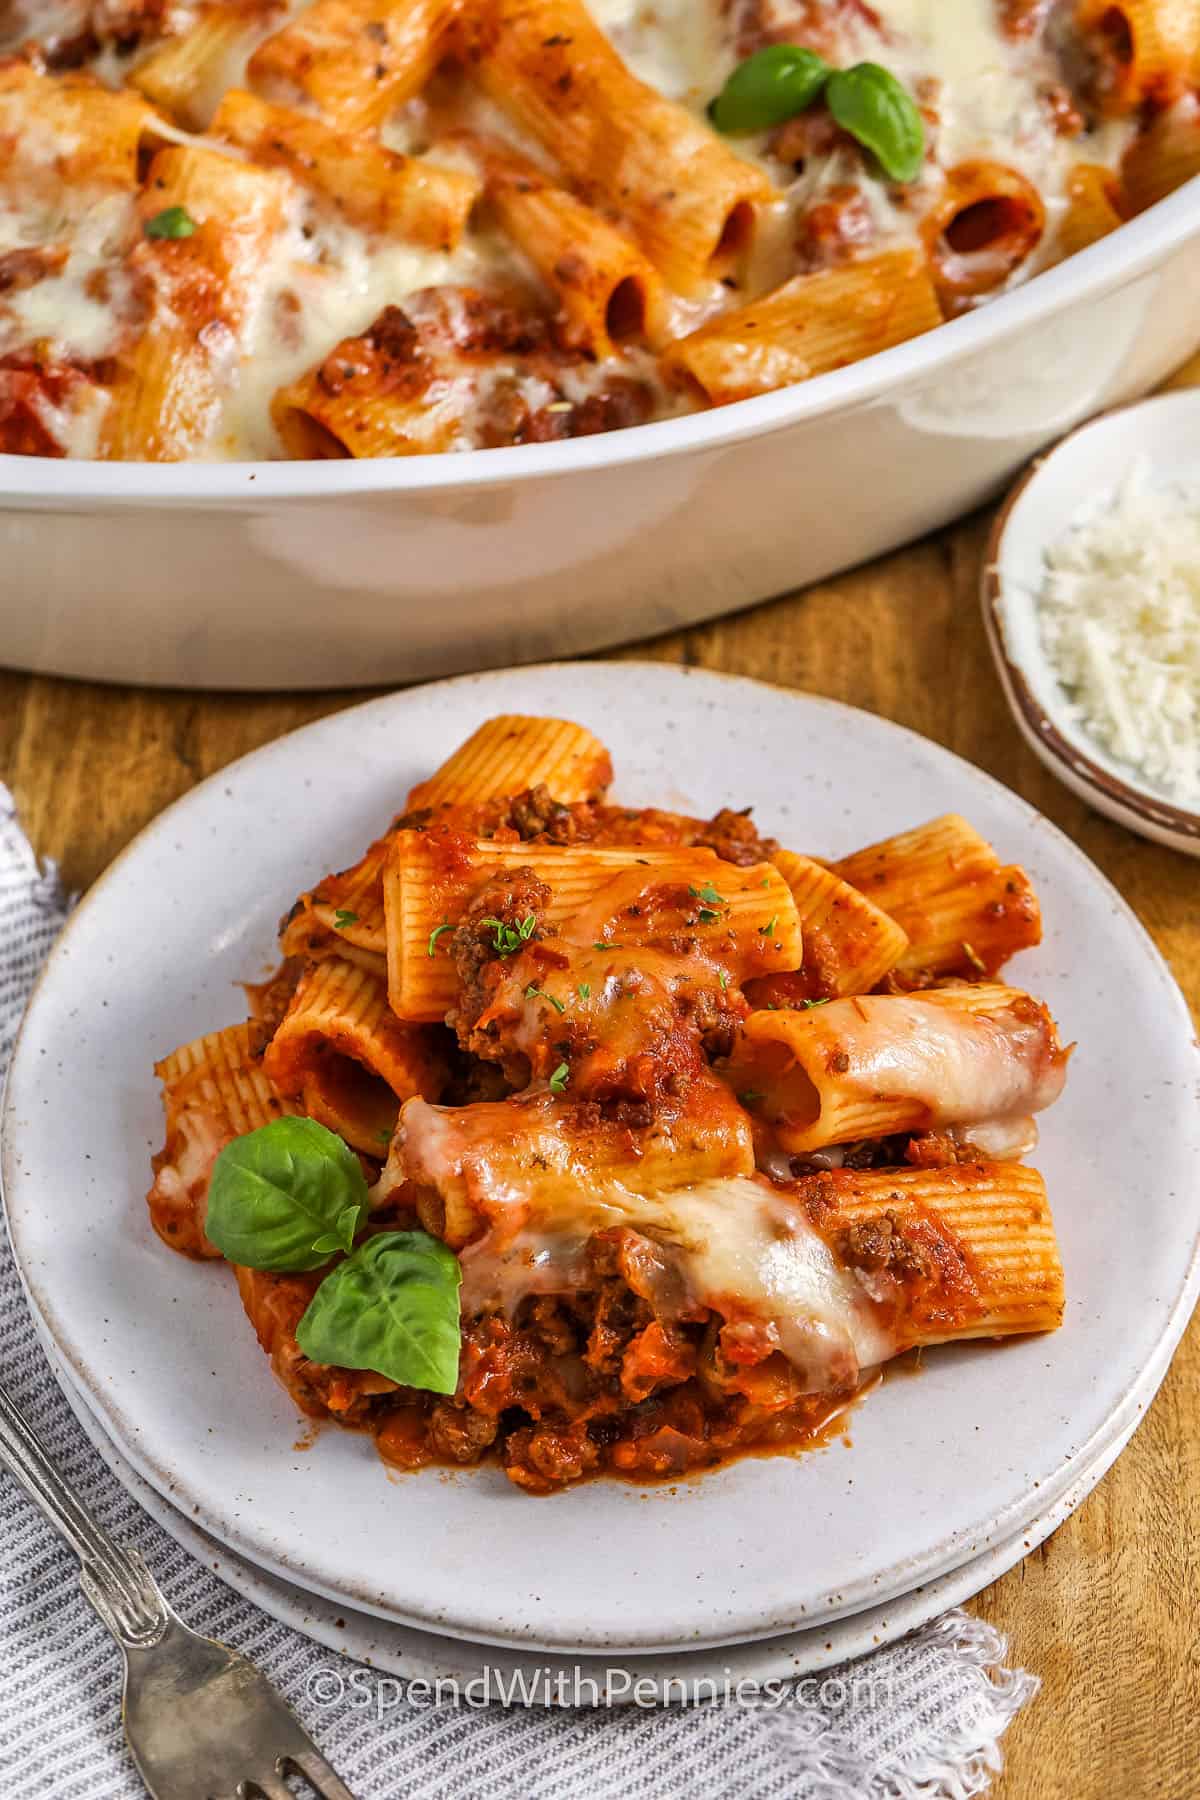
{"x":1105,"y":1610}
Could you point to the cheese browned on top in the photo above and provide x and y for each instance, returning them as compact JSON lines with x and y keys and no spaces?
{"x":987,"y":95}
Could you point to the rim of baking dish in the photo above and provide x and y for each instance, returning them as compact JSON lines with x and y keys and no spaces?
{"x":1128,"y":253}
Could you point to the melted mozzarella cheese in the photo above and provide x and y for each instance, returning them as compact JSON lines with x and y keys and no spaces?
{"x":963,"y":1067}
{"x":675,"y":46}
{"x":987,"y":96}
{"x":76,"y":312}
{"x":325,"y":281}
{"x":736,"y":1245}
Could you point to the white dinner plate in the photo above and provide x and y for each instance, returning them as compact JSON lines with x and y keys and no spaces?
{"x":941,"y":1467}
{"x":542,"y":1678}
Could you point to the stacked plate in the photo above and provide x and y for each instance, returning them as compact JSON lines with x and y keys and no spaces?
{"x":767,"y":1568}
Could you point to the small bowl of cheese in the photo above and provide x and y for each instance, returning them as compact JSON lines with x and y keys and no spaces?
{"x":1091,"y":600}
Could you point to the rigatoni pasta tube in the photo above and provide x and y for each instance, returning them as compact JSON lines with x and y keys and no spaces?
{"x":879,"y":1064}
{"x":1164,"y":156}
{"x":513,"y":752}
{"x":747,"y":923}
{"x":964,"y":1252}
{"x":812,"y":324}
{"x":214,"y":1089}
{"x":354,"y":60}
{"x":962,"y":912}
{"x":928,"y":859}
{"x":84,"y":134}
{"x":850,"y":944}
{"x":1145,"y":51}
{"x":187,"y":75}
{"x":1093,"y":193}
{"x":972,"y":929}
{"x":844,"y":1269}
{"x":469,"y":1160}
{"x":340,"y":1053}
{"x":689,"y":200}
{"x":506,"y":756}
{"x":370,"y":397}
{"x":979,"y":232}
{"x":348,"y":905}
{"x":372,"y":187}
{"x":609,"y":293}
{"x":167,"y":391}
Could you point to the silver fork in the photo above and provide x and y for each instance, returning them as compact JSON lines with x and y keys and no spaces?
{"x":202,"y":1722}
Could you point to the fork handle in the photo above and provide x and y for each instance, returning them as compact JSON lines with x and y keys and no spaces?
{"x":116,"y":1581}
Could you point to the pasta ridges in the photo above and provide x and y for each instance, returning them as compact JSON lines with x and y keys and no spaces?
{"x":341,"y":1050}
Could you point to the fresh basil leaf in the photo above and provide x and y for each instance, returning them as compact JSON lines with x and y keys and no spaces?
{"x":287,"y":1196}
{"x":768,"y":88}
{"x":342,"y":1235}
{"x":869,"y":103}
{"x":172,"y":222}
{"x":392,"y":1307}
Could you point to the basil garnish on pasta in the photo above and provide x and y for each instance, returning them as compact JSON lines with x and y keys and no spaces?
{"x":784,"y":80}
{"x":769,"y":88}
{"x":285,"y":1197}
{"x":391,"y":1307}
{"x":869,"y":103}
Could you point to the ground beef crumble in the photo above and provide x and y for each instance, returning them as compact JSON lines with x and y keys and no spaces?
{"x":536,"y":813}
{"x":881,"y":1246}
{"x":511,"y":897}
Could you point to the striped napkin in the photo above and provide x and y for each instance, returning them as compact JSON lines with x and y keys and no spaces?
{"x":921,"y":1720}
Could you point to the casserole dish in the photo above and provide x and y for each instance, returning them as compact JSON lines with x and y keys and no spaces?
{"x":286,"y":575}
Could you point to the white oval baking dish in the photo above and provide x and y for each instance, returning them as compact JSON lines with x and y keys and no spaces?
{"x":339,"y":573}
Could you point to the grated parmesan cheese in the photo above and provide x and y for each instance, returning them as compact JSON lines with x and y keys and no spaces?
{"x":1119,"y":616}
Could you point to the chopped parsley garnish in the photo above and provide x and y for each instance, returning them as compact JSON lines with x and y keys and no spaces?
{"x":436,"y":933}
{"x":342,"y":918}
{"x":805,"y":1004}
{"x":584,"y":990}
{"x":560,"y":1078}
{"x":173,"y":222}
{"x":385,"y":1137}
{"x":766,"y":881}
{"x":707,"y":915}
{"x":750,"y":1096}
{"x":767,"y":929}
{"x":534,"y":992}
{"x":509,"y":938}
{"x":723,"y":978}
{"x":601,"y":945}
{"x":708,"y":893}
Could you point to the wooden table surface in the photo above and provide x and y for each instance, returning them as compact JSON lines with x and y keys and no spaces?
{"x":1106,"y":1610}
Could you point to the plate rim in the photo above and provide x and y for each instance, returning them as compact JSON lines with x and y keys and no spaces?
{"x":936,"y":1562}
{"x":785,"y":1658}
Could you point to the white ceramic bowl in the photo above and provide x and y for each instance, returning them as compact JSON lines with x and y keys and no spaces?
{"x":1165,"y":435}
{"x":319,"y":574}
